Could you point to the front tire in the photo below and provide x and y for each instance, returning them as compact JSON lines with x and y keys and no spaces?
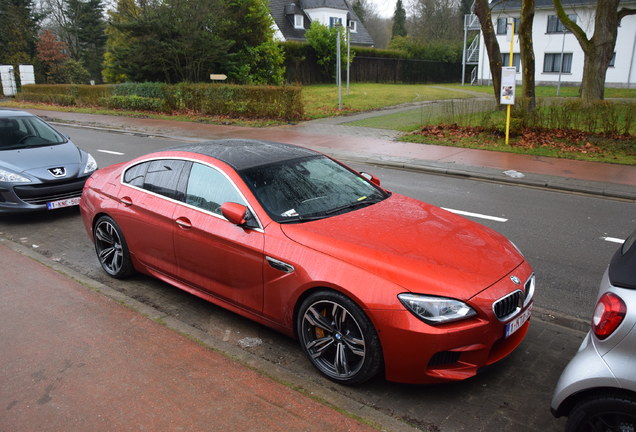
{"x":604,"y":412}
{"x":111,"y":248}
{"x":338,"y":338}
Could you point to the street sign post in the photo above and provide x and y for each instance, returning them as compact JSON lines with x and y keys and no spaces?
{"x":508,"y":79}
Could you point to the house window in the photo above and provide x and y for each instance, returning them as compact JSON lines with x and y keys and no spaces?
{"x":556,"y":26}
{"x":613,"y":60}
{"x":333,"y":21}
{"x":353,"y":26}
{"x":516,"y":60}
{"x":502,"y":26}
{"x":517,"y":21}
{"x":299,"y":22}
{"x":552,"y":63}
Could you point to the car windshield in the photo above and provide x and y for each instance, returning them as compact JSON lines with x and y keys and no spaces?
{"x":305,"y":189}
{"x":20,"y":132}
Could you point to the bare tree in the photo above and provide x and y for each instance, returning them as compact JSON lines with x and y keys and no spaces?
{"x":436,"y":20}
{"x":598,"y":49}
{"x":527,"y":53}
{"x":380,"y":30}
{"x":482,"y":10}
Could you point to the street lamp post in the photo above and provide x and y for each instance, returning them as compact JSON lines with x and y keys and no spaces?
{"x":338,"y":69}
{"x":561,"y":62}
{"x":348,"y":55}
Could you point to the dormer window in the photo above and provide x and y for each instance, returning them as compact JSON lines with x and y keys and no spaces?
{"x":353,"y":26}
{"x":299,"y":22}
{"x":335,"y":21}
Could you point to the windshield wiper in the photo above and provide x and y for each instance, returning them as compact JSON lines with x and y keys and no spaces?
{"x":301,"y":218}
{"x":362,"y":203}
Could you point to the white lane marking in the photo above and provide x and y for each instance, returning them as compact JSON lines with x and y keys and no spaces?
{"x":477,"y":215}
{"x":613,"y":240}
{"x":111,"y":152}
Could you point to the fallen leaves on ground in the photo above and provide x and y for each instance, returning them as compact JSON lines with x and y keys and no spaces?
{"x":562,"y":140}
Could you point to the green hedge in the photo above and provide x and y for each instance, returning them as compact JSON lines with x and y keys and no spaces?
{"x":83,"y":95}
{"x":133,"y":103}
{"x":147,"y":89}
{"x":245,"y":101}
{"x":52,"y":98}
{"x":283,"y":103}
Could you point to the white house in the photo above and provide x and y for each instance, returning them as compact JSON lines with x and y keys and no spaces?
{"x":293,"y":17}
{"x":558,"y":55}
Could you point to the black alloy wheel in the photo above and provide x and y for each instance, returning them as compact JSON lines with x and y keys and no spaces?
{"x":603,"y":413}
{"x":112,"y":250}
{"x":338,"y":338}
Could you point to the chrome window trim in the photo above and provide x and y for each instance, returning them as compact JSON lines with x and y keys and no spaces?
{"x":193,"y":160}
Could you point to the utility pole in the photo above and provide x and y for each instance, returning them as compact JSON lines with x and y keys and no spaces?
{"x":338,"y":70}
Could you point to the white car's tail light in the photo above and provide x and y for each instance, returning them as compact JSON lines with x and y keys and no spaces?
{"x":608,"y":315}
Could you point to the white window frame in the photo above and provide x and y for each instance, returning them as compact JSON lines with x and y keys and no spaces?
{"x":299,"y":21}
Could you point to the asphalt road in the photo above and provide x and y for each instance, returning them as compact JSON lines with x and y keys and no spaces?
{"x":561,"y":234}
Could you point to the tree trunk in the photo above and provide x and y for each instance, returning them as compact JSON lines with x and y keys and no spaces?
{"x":599,"y":48}
{"x":492,"y":46}
{"x":527,"y":53}
{"x":594,"y":72}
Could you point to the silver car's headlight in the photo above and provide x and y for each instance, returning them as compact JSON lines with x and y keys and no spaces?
{"x":11,"y":177}
{"x":436,"y":310}
{"x":91,"y":164}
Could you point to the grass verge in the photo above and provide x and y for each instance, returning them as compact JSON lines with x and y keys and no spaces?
{"x":322,"y":100}
{"x":559,"y":143}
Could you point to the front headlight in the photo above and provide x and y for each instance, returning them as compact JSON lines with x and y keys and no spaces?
{"x":436,"y":310}
{"x":91,"y":164}
{"x":11,"y":177}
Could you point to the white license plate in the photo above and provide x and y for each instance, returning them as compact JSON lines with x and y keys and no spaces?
{"x":516,"y":323}
{"x":63,"y":203}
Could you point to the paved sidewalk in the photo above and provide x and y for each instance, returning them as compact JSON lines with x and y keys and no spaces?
{"x":354,"y":144}
{"x":73,"y":359}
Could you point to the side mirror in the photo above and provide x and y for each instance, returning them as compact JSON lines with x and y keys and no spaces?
{"x":234,"y":212}
{"x":373,"y":179}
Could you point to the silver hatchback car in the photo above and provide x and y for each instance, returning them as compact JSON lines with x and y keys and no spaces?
{"x":40,"y":168}
{"x":597,"y":389}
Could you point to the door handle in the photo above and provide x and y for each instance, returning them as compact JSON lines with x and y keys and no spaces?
{"x":126,"y":201}
{"x":184,"y":223}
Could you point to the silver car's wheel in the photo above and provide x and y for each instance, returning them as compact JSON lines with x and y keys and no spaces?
{"x":338,"y":338}
{"x":603,"y":412}
{"x":111,"y":248}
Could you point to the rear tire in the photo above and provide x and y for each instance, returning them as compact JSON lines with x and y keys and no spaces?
{"x":338,"y":338}
{"x":604,"y":412}
{"x":111,"y":248}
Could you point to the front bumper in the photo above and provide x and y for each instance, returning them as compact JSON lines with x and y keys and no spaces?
{"x":418,"y":353}
{"x":25,"y":197}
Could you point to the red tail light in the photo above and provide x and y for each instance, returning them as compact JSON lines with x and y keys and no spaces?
{"x":609,"y":313}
